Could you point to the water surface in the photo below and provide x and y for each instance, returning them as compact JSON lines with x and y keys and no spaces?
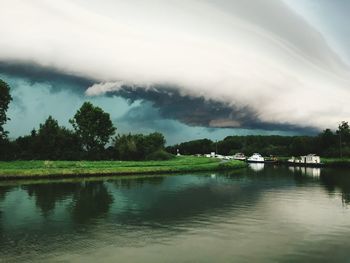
{"x":265,"y":214}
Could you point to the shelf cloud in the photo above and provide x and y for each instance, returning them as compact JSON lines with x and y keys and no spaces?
{"x":242,"y":63}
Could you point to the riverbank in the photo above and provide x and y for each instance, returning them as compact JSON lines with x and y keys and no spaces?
{"x":336,"y":162}
{"x":49,"y":169}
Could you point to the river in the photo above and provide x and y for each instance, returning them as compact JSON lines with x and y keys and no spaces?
{"x":257,"y":214}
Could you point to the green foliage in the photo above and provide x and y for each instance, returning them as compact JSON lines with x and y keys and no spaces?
{"x":50,"y":142}
{"x":193,"y":147}
{"x":93,"y":129}
{"x":159,"y":155}
{"x":327,"y":143}
{"x":138,"y":146}
{"x":5,"y":99}
{"x":93,"y":126}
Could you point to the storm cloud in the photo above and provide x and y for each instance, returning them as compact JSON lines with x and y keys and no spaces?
{"x":243,"y":63}
{"x":166,"y":101}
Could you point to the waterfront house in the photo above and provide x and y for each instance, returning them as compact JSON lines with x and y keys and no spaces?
{"x":306,"y":159}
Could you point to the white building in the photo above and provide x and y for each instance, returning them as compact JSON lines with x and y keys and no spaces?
{"x":306,"y":159}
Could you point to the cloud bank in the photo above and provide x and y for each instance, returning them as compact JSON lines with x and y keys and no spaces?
{"x":258,"y":58}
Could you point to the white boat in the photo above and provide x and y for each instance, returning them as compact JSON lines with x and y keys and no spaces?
{"x":240,"y":157}
{"x":219,"y":156}
{"x":256,"y":158}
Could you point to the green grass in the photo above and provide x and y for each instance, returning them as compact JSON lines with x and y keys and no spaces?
{"x":26,"y":169}
{"x":336,"y":162}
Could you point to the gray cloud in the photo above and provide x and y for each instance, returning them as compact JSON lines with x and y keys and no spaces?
{"x":197,"y":111}
{"x":35,"y":73}
{"x":240,"y":63}
{"x":166,"y":101}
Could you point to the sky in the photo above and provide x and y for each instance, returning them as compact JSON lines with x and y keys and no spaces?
{"x":189,"y":69}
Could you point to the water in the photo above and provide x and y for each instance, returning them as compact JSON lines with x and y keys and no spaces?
{"x":258,"y":214}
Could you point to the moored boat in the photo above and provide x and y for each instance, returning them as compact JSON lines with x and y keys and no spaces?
{"x":256,"y":158}
{"x":239,"y":157}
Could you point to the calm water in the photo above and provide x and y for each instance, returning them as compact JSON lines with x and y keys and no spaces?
{"x":258,"y":214}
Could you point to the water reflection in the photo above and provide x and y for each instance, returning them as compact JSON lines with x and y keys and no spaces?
{"x":306,"y":171}
{"x":333,"y":180}
{"x":339,"y":182}
{"x":47,"y":195}
{"x":91,"y":200}
{"x":216,"y":212}
{"x":257,"y":166}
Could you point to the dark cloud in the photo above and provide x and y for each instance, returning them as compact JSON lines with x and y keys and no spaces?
{"x":167,"y":100}
{"x":197,"y":111}
{"x":35,"y":73}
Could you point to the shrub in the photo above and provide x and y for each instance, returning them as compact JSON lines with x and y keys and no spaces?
{"x":159,"y":155}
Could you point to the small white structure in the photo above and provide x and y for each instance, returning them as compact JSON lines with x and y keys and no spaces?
{"x":240,"y":157}
{"x":306,"y":159}
{"x":219,"y":156}
{"x":310,"y":158}
{"x":256,"y":158}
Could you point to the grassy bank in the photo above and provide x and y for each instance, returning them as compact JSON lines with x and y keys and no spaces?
{"x":28,"y":169}
{"x":336,"y":162}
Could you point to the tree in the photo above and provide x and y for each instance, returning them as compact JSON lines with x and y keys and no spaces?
{"x":154,"y":142}
{"x":5,"y":99}
{"x":54,"y":142}
{"x":49,"y":142}
{"x":344,"y":130}
{"x":93,"y":126}
{"x":138,"y":146}
{"x":344,"y":138}
{"x":126,"y":147}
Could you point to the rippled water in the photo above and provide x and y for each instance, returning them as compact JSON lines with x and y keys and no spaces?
{"x":258,"y":214}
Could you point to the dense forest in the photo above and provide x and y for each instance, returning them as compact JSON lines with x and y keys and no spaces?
{"x":93,"y":137}
{"x":327,"y":144}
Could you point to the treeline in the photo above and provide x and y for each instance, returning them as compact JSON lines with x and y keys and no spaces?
{"x":327,"y":143}
{"x":92,"y":138}
{"x":54,"y":142}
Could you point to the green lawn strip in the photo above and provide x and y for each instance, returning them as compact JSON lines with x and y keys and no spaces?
{"x":336,"y":162}
{"x":52,"y":168}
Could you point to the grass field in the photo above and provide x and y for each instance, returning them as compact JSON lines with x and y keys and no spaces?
{"x":27,"y":169}
{"x":336,"y":162}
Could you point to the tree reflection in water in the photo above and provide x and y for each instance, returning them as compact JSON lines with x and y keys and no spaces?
{"x":90,"y":201}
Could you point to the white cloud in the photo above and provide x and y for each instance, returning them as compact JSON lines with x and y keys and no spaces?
{"x":245,"y":53}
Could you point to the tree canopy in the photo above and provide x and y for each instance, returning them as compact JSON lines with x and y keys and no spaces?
{"x":139,"y":146}
{"x":93,"y":127}
{"x":5,"y":99}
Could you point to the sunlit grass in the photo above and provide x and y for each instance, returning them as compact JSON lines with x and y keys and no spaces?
{"x":57,"y":168}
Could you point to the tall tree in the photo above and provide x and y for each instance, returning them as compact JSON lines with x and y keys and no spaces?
{"x":344,"y":138}
{"x":344,"y":129}
{"x":54,"y":142}
{"x":5,"y":99}
{"x":93,"y":126}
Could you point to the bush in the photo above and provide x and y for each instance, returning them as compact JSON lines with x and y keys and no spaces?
{"x":159,"y":155}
